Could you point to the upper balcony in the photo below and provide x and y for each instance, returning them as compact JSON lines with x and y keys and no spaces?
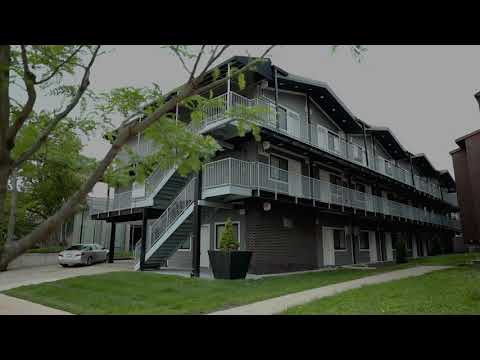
{"x":319,"y":137}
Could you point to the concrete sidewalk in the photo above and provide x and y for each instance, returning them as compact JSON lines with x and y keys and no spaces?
{"x":13,"y":306}
{"x":282,"y":303}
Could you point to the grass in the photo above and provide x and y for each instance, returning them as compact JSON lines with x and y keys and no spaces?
{"x":150,"y":293}
{"x":451,"y":291}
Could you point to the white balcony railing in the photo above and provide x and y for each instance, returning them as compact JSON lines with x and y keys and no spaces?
{"x":256,"y":175}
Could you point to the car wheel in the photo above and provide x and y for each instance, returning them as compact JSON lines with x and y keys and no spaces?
{"x":89,"y":261}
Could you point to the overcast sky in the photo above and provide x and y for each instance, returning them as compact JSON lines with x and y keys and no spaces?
{"x":424,"y":94}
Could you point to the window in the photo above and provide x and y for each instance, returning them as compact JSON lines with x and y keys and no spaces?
{"x":185,"y":246}
{"x":219,"y":231}
{"x":364,"y":241}
{"x":278,"y":168}
{"x":339,"y":240}
{"x":333,"y":142}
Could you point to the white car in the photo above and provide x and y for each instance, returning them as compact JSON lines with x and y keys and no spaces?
{"x":84,"y":254}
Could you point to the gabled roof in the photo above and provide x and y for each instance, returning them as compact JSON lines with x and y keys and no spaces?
{"x":421,"y":161}
{"x":447,"y":180}
{"x":389,"y":141}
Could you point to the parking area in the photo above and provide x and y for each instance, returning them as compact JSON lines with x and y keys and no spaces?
{"x":39,"y":274}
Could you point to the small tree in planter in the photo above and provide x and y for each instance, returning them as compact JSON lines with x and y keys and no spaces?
{"x":229,"y":262}
{"x":401,"y":247}
{"x":227,"y":241}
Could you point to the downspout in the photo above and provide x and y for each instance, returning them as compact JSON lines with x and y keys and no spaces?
{"x":374,"y":154}
{"x":309,"y":126}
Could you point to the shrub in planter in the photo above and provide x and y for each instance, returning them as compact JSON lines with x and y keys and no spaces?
{"x":229,"y":262}
{"x":401,"y":248}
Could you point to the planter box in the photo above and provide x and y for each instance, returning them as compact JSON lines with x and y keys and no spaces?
{"x":229,"y":264}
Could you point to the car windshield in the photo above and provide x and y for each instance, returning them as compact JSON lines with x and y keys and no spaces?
{"x":77,"y":247}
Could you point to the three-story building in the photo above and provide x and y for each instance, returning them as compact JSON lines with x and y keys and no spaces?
{"x":321,"y":188}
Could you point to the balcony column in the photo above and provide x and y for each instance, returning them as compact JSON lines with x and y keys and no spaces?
{"x":197,"y":223}
{"x":143,"y":244}
{"x":309,"y":127}
{"x":365,"y":144}
{"x":411,"y":169}
{"x":374,"y":155}
{"x":229,"y":86}
{"x":276,"y":98}
{"x":111,"y":253}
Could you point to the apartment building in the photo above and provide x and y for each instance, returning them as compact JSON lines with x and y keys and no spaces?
{"x":321,"y":188}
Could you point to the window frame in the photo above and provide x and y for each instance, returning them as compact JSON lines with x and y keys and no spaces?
{"x":270,"y":167}
{"x":360,"y":242}
{"x":344,"y":238}
{"x":189,"y":245}
{"x":215,"y":233}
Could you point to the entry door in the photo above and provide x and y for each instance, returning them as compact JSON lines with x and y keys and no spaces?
{"x":294,"y":177}
{"x":204,"y":245}
{"x":328,"y":247}
{"x":388,"y":246}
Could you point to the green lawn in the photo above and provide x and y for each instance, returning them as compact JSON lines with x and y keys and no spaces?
{"x":149,"y":293}
{"x":452,"y":291}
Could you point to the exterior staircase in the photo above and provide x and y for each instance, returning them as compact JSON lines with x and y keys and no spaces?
{"x":170,"y":230}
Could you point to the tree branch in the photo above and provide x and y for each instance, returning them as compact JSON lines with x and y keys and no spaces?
{"x":57,"y":69}
{"x":4,"y":92}
{"x":176,"y":52}
{"x":213,"y":58}
{"x":192,"y":74}
{"x":29,"y":80}
{"x":85,"y":82}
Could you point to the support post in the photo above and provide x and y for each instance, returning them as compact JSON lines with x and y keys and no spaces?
{"x":111,"y":253}
{"x":143,"y":247}
{"x":276,"y":98}
{"x":229,"y":86}
{"x":374,"y":155}
{"x":81,"y":227}
{"x":365,"y":144}
{"x":196,"y":227}
{"x":411,"y":170}
{"x":309,"y":129}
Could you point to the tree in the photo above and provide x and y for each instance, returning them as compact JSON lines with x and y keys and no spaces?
{"x":55,"y":62}
{"x":46,"y":67}
{"x":227,"y":241}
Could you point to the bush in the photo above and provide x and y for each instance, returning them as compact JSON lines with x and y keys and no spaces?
{"x":228,"y":242}
{"x":401,"y":247}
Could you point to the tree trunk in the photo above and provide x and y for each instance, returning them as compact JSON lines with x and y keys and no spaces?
{"x":13,"y":208}
{"x":5,"y":161}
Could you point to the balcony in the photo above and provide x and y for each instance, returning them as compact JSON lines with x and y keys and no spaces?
{"x":227,"y":176}
{"x":314,"y":135}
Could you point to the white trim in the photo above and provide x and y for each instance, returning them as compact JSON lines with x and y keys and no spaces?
{"x":215,"y":233}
